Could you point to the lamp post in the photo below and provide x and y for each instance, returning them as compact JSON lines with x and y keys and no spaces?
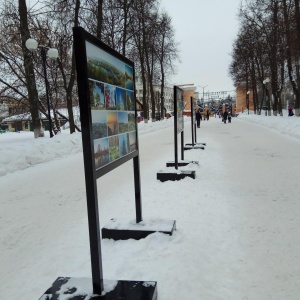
{"x":203,"y":87}
{"x":247,"y":100}
{"x":32,"y":45}
{"x":265,"y":82}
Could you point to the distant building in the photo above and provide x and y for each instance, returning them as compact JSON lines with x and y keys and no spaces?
{"x":23,"y":122}
{"x":241,"y":98}
{"x":168,"y":93}
{"x":10,"y":106}
{"x":188,"y":92}
{"x":4,"y":110}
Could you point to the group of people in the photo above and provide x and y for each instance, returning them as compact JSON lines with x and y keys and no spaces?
{"x":199,"y":116}
{"x":226,"y":115}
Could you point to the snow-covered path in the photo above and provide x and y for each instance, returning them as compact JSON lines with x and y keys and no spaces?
{"x":237,"y":222}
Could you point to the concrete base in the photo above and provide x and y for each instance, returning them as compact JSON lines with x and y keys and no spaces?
{"x":118,"y":230}
{"x":193,"y":147}
{"x":181,"y":163}
{"x":162,"y":176}
{"x":196,"y":144}
{"x":81,"y":289}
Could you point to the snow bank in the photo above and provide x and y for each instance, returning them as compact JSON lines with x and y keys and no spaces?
{"x":19,"y":151}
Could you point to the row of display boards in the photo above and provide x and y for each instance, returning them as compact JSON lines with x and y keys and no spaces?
{"x":106,"y":90}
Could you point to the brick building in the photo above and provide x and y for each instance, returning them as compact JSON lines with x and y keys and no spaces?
{"x":241,"y":99}
{"x":188,"y":92}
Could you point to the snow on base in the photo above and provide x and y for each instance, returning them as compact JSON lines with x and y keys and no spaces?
{"x":151,"y":225}
{"x":83,"y":287}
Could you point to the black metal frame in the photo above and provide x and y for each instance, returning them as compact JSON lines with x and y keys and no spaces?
{"x":193,"y":124}
{"x":44,"y":62}
{"x":91,"y":174}
{"x":175,"y":129}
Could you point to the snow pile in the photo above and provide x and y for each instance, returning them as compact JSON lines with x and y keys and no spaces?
{"x":19,"y":151}
{"x":285,"y":124}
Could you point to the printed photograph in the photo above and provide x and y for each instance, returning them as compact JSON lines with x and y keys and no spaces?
{"x":130,"y":100}
{"x":101,"y":152}
{"x":131,"y":121}
{"x":99,"y":124}
{"x":123,"y":144}
{"x":112,"y":123}
{"x":123,"y":121}
{"x":114,"y":152}
{"x":96,"y":95}
{"x":132,"y":141}
{"x":121,"y":101}
{"x":129,"y":78}
{"x":104,"y":67}
{"x":110,"y":96}
{"x":180,"y":108}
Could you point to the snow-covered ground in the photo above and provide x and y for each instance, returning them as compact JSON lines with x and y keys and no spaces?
{"x":238,"y":222}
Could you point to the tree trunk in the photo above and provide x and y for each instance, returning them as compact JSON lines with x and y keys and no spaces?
{"x":29,"y":71}
{"x":162,"y":89}
{"x":99,"y":19}
{"x":297,"y":95}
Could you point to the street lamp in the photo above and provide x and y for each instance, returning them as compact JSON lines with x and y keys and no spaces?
{"x":265,"y":82}
{"x":203,"y":87}
{"x":247,"y":100}
{"x":32,"y":45}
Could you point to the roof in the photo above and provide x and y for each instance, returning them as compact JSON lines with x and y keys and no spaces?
{"x":27,"y":116}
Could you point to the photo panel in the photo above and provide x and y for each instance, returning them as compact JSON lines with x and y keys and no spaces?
{"x":99,"y":124}
{"x":124,"y":144}
{"x":101,"y":152}
{"x":131,"y":121}
{"x":132,"y":141}
{"x":104,"y":67}
{"x":180,"y":108}
{"x":112,"y":104}
{"x":121,"y":99}
{"x":130,"y":100}
{"x":123,"y":121}
{"x":96,"y":95}
{"x":110,"y":97}
{"x":112,"y":123}
{"x":129,"y":78}
{"x":114,"y":151}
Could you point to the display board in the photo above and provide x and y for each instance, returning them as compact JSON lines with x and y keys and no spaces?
{"x":112,"y":102}
{"x":108,"y":106}
{"x":106,"y":90}
{"x":180,"y":108}
{"x":194,"y":108}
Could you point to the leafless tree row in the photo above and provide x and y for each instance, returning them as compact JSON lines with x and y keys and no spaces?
{"x":268,"y":47}
{"x":135,"y":28}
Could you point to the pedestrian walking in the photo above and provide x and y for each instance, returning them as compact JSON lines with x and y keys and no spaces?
{"x":198,"y":118}
{"x":229,"y":117}
{"x":207,"y":115}
{"x":225,"y":115}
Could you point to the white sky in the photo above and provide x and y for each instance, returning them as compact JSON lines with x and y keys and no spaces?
{"x":206,"y":30}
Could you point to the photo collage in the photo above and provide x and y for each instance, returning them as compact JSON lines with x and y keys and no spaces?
{"x":112,"y":101}
{"x":180,"y":108}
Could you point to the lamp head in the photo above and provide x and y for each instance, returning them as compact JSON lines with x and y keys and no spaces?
{"x":31,"y":44}
{"x":52,"y":53}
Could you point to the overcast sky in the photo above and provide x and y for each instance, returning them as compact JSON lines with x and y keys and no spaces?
{"x":206,"y":30}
